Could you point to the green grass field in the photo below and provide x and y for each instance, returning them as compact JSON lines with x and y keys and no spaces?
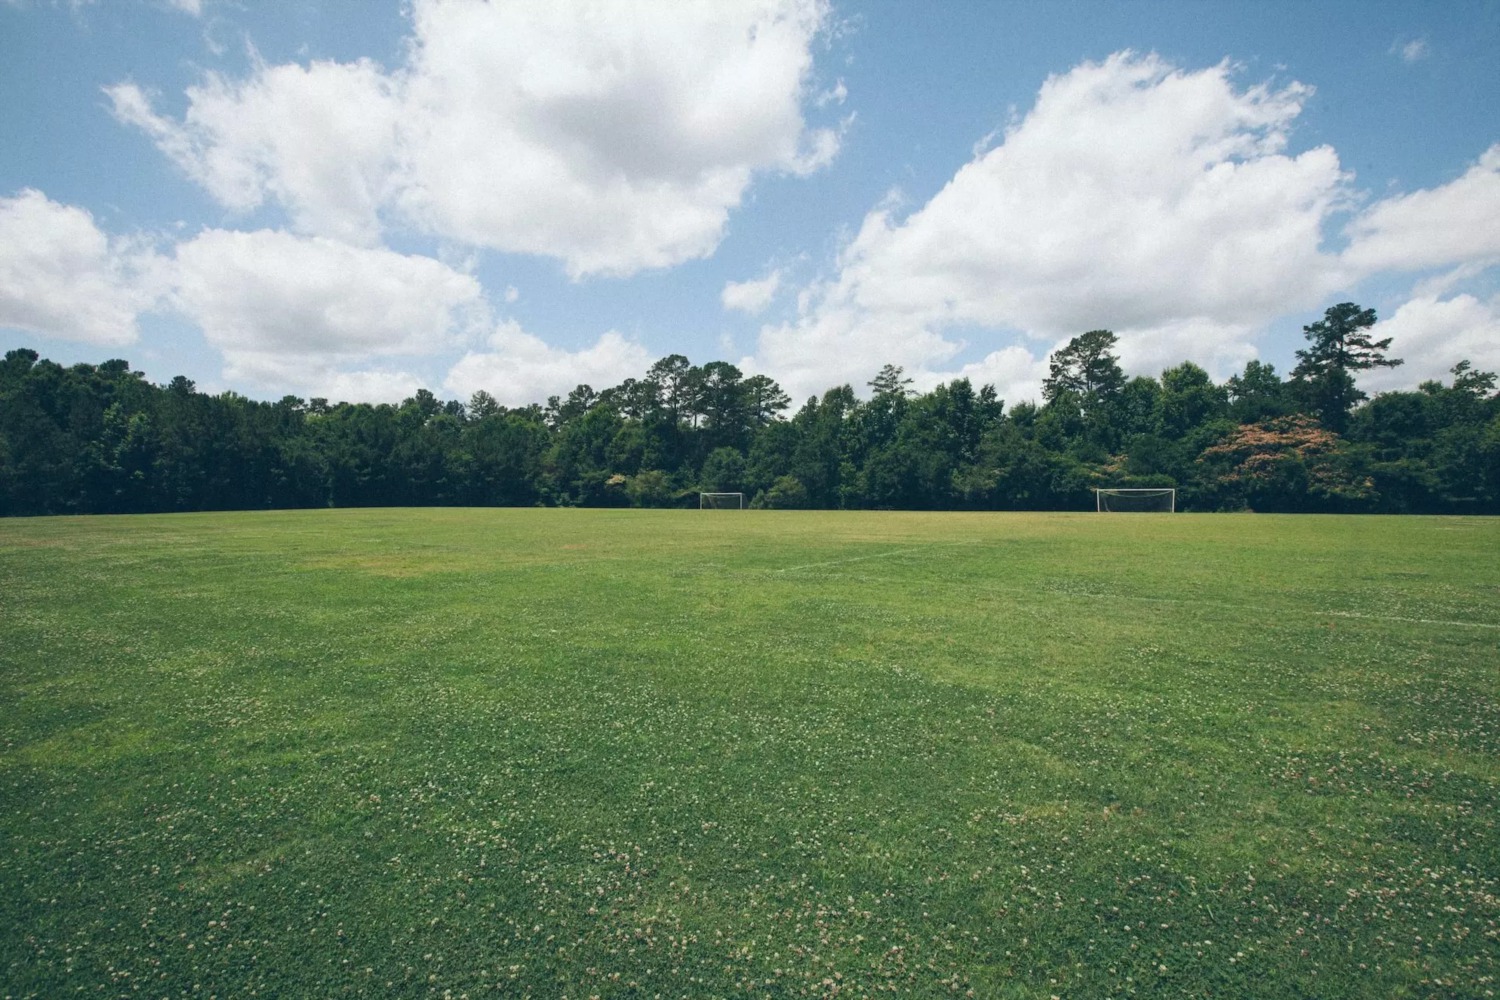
{"x":559,"y":753}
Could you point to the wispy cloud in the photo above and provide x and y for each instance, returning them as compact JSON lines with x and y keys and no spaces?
{"x":1412,"y":51}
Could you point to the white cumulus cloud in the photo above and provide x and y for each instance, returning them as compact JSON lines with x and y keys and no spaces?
{"x":1455,"y":223}
{"x":1134,"y":195}
{"x":363,"y":386}
{"x":1015,"y":372}
{"x":62,"y":276}
{"x":1431,"y":335}
{"x":614,"y":137}
{"x":294,"y":310}
{"x":751,"y":296}
{"x":519,"y":368}
{"x":319,"y":140}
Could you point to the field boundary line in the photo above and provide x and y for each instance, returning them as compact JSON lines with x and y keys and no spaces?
{"x":1399,"y":618}
{"x":1311,"y":611}
{"x":1229,"y":605}
{"x":1225,"y":605}
{"x":873,"y":555}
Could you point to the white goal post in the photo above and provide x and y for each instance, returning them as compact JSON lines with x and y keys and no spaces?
{"x":1153,"y":499}
{"x":721,"y":501}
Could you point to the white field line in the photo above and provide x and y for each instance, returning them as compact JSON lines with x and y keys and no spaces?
{"x":1153,"y":600}
{"x":1315,"y":612}
{"x":874,"y":555}
{"x":1398,"y":618}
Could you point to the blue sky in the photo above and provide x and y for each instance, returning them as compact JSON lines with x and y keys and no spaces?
{"x":353,"y":200}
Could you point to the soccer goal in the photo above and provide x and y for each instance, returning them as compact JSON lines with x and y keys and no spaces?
{"x":1155,"y":499}
{"x":721,"y":501}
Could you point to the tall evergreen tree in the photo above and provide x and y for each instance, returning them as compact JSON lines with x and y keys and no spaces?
{"x":1341,"y":346}
{"x":891,"y":381}
{"x":1086,"y":368}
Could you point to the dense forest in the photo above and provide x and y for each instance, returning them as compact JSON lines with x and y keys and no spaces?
{"x":102,"y":439}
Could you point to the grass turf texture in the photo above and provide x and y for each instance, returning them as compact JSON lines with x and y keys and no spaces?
{"x":637,"y":753}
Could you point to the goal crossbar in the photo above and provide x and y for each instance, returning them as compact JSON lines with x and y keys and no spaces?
{"x":1140,"y":498}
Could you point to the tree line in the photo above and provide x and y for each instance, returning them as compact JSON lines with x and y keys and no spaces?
{"x":101,"y":439}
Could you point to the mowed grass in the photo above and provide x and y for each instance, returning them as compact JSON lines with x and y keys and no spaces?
{"x":557,"y":753}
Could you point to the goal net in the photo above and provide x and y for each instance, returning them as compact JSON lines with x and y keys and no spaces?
{"x":721,"y":501}
{"x":1136,"y":500}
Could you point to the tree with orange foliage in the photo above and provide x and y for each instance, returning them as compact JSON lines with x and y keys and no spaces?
{"x":1285,"y":464}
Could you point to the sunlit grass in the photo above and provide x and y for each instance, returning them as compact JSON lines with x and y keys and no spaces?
{"x":695,"y":754}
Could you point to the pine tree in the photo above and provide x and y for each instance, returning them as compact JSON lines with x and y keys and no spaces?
{"x":1086,"y":368}
{"x":891,"y":381}
{"x":1341,"y":345}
